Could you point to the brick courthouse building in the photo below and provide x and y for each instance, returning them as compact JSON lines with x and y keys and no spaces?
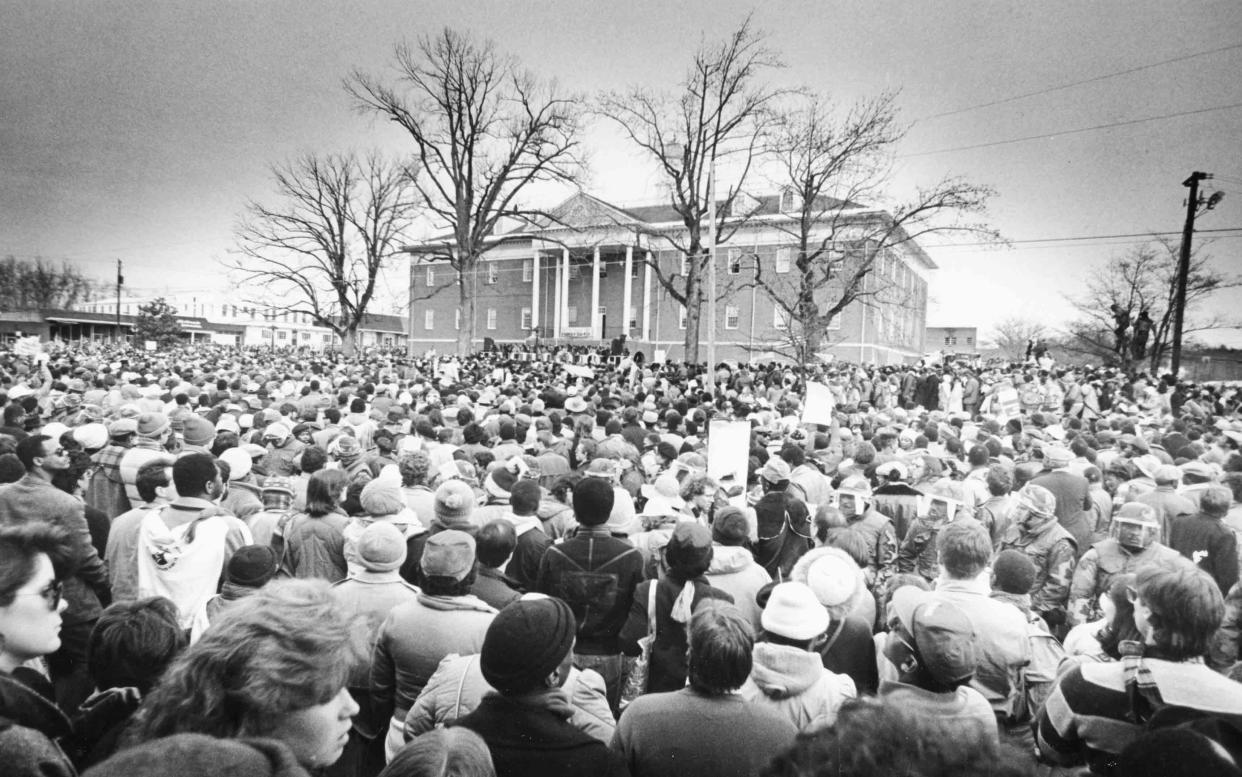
{"x":585,"y":278}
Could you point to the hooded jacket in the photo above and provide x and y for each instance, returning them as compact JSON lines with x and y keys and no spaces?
{"x":734,"y":571}
{"x":794,"y":683}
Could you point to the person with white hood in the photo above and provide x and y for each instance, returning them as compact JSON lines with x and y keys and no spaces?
{"x":660,"y":514}
{"x":184,"y":546}
{"x":787,"y":675}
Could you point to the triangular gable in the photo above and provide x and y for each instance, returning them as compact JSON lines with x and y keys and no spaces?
{"x":582,"y":211}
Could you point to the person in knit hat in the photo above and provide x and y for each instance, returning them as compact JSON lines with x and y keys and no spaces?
{"x":250,"y":568}
{"x":526,"y":657}
{"x":840,"y":586}
{"x":445,"y":618}
{"x":733,"y":568}
{"x":788,"y":675}
{"x":382,"y":500}
{"x":372,"y":592}
{"x":498,"y":485}
{"x":197,"y":435}
{"x":678,"y":592}
{"x":932,"y":644}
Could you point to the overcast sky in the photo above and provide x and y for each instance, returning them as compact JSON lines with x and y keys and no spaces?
{"x":137,"y":130}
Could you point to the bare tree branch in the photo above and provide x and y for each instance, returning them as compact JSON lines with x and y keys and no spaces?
{"x":339,"y":221}
{"x":484,"y":129}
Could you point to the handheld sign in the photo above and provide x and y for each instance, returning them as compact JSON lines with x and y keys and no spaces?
{"x":819,"y":404}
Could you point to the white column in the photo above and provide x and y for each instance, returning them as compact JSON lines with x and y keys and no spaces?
{"x":534,"y":290}
{"x":556,"y":300}
{"x":627,"y":293}
{"x":565,"y":286}
{"x":595,"y":322}
{"x":647,"y":298}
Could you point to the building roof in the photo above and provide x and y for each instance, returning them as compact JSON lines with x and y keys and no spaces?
{"x":583,"y":211}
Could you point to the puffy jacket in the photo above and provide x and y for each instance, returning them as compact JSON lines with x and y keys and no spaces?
{"x":458,"y":686}
{"x":734,"y":571}
{"x":794,"y":683}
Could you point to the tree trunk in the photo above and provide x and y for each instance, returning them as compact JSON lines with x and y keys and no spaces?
{"x":465,"y":334}
{"x":694,"y":310}
{"x":349,"y":342}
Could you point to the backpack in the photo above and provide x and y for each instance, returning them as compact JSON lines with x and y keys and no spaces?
{"x":1037,"y":678}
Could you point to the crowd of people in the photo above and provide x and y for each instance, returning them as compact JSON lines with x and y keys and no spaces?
{"x":217,"y":561}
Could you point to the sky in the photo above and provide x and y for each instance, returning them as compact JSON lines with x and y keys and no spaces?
{"x":139,"y":130}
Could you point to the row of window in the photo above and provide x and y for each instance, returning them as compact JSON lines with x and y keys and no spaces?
{"x":952,"y":340}
{"x":888,"y":266}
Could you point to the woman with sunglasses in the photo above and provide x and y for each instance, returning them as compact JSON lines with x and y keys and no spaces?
{"x":31,"y":726}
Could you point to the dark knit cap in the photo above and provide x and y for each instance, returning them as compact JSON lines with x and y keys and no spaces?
{"x":689,"y":550}
{"x":1014,"y":572}
{"x":252,"y":566}
{"x":525,"y":642}
{"x":729,"y":526}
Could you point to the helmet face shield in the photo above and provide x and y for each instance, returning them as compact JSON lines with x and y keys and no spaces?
{"x":1134,"y":533}
{"x":938,"y":507}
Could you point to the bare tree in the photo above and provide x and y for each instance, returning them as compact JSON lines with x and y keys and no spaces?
{"x":38,"y":283}
{"x":339,"y":220}
{"x":719,"y":115}
{"x":1145,"y":279}
{"x":484,"y":129}
{"x":1011,"y":335}
{"x":829,"y":162}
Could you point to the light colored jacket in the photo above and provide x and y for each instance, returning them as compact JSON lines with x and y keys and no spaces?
{"x":735,"y":571}
{"x":795,"y":684}
{"x":458,"y":686}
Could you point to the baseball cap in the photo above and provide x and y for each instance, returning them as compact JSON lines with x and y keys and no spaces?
{"x":943,"y":635}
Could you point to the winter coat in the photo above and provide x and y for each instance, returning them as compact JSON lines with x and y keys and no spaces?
{"x":795,"y":683}
{"x":667,"y":668}
{"x":312,"y":546}
{"x":1054,"y":552}
{"x":734,"y":571}
{"x":595,"y":574}
{"x":533,"y":738}
{"x":100,"y":722}
{"x":30,"y":727}
{"x":457,"y":688}
{"x":414,"y":638}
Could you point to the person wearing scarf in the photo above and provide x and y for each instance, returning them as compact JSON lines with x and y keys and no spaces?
{"x":678,"y":592}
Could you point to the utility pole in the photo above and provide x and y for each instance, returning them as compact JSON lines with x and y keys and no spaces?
{"x":711,"y":275}
{"x":1183,"y":267}
{"x":120,"y":281}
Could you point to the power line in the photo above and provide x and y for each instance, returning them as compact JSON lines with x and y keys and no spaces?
{"x":1072,"y":131}
{"x":1148,"y":235}
{"x":1094,"y":79}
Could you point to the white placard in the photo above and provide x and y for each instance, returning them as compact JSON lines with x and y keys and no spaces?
{"x":1007,"y":403}
{"x":27,"y":346}
{"x":728,"y":450}
{"x":817,"y":409}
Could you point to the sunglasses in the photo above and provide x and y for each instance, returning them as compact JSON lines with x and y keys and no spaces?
{"x":51,"y":594}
